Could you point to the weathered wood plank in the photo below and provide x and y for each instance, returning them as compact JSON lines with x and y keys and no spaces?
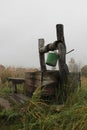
{"x":16,"y":80}
{"x":33,"y":75}
{"x":18,"y":98}
{"x":49,"y":83}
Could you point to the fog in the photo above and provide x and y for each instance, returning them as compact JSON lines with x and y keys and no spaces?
{"x":23,"y":22}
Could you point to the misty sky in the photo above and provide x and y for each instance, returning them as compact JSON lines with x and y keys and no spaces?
{"x":23,"y":22}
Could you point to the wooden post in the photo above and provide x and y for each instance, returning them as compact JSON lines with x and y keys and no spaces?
{"x":41,"y":55}
{"x":60,"y":32}
{"x":62,"y":50}
{"x":63,"y":69}
{"x":42,"y":58}
{"x":14,"y":87}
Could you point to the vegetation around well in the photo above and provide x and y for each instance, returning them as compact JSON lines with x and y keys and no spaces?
{"x":35,"y":114}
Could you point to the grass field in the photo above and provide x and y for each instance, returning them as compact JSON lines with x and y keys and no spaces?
{"x":37,"y":115}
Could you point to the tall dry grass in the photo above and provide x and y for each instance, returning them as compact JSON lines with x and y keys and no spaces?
{"x":84,"y":81}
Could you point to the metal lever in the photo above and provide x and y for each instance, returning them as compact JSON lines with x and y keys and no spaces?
{"x":70,"y":51}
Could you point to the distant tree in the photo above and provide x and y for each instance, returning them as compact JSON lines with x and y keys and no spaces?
{"x":73,"y":66}
{"x":2,"y":67}
{"x":84,"y":71}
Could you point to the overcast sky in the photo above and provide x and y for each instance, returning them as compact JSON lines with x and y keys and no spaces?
{"x":23,"y":22}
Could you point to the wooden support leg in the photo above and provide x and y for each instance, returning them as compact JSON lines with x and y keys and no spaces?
{"x":14,"y":88}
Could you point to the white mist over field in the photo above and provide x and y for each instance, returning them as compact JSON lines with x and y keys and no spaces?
{"x":23,"y":22}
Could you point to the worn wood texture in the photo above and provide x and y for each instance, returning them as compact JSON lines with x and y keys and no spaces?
{"x":41,"y":55}
{"x":51,"y":86}
{"x":18,"y":98}
{"x":48,"y":47}
{"x":16,"y":80}
{"x":33,"y":80}
{"x":63,"y":69}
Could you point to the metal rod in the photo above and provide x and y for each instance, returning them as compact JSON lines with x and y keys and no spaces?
{"x":70,"y":51}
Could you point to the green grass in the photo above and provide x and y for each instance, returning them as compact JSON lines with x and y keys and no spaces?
{"x":73,"y":116}
{"x":37,"y":115}
{"x":5,"y":91}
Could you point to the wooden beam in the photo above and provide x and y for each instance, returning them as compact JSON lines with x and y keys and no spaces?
{"x":49,"y":47}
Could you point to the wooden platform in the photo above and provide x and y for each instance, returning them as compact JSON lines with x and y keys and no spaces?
{"x":18,"y":98}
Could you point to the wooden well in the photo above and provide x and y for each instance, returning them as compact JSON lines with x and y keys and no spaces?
{"x":49,"y":84}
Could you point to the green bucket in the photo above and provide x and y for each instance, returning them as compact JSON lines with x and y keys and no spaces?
{"x":52,"y":59}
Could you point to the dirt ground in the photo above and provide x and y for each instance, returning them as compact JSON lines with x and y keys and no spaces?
{"x":4,"y":103}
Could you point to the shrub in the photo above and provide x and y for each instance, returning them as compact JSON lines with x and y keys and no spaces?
{"x":84,"y":71}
